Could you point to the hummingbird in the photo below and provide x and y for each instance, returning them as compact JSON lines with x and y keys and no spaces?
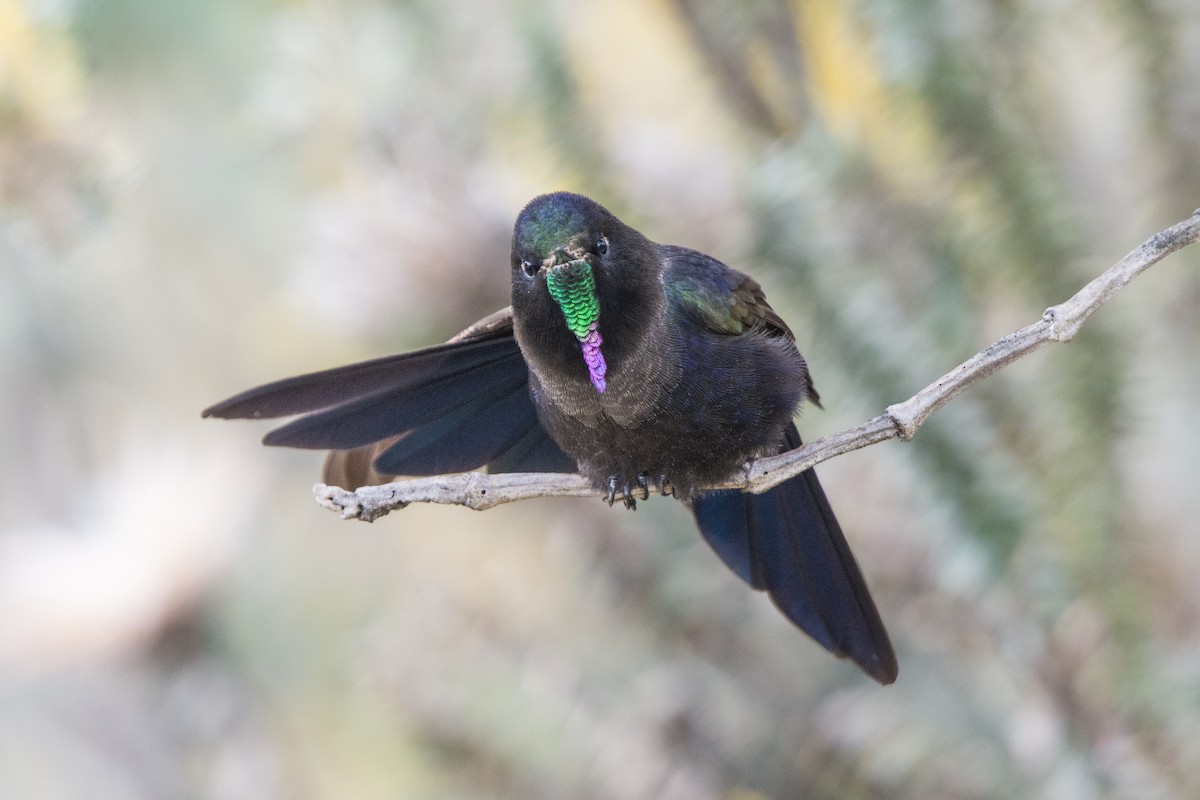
{"x":634,"y":363}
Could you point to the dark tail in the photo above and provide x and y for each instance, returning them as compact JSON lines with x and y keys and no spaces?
{"x":788,"y":542}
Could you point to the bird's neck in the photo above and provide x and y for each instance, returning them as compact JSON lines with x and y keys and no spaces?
{"x":639,"y":347}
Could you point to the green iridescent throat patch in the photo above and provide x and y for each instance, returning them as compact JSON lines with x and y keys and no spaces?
{"x":574,"y":289}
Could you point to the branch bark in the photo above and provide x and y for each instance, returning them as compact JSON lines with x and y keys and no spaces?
{"x":1059,"y":323}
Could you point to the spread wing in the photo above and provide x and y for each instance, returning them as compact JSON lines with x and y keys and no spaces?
{"x":449,"y":408}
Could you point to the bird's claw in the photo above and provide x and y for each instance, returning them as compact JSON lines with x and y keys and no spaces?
{"x":626,"y":493}
{"x":643,"y":485}
{"x":664,"y":486}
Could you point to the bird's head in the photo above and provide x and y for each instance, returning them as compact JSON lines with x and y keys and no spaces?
{"x":578,"y":275}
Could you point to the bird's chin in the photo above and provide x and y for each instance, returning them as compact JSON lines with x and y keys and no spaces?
{"x":565,"y":266}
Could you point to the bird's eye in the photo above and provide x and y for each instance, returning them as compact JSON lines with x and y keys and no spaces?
{"x":602,"y":245}
{"x":529,"y":267}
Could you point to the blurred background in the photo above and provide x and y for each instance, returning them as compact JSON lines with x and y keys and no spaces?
{"x":196,"y":197}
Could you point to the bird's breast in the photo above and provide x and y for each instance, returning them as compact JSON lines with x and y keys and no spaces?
{"x":640,"y":374}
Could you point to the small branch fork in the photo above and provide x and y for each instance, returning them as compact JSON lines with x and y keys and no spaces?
{"x":1059,"y":323}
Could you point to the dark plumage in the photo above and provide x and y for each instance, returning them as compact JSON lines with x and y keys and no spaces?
{"x":635,"y":363}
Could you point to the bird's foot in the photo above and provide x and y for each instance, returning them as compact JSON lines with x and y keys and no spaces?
{"x":642,"y":486}
{"x":615,"y":488}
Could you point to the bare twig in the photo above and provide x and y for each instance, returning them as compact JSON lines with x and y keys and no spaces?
{"x":1059,"y":324}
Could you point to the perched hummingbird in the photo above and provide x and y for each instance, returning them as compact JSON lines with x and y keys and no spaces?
{"x":632,"y":362}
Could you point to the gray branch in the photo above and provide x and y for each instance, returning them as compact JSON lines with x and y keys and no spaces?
{"x":1059,"y":323}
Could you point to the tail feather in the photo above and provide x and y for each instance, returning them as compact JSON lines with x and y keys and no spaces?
{"x":788,"y":542}
{"x":724,"y":517}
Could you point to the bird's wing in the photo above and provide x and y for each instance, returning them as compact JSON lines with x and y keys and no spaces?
{"x":498,"y":323}
{"x":719,"y":297}
{"x":722,"y":299}
{"x":448,"y":408}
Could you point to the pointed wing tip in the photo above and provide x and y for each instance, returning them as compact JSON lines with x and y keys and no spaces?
{"x":233,"y":408}
{"x":281,"y":437}
{"x":217,"y":411}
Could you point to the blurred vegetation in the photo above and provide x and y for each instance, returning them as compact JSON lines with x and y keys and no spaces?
{"x":199,"y":196}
